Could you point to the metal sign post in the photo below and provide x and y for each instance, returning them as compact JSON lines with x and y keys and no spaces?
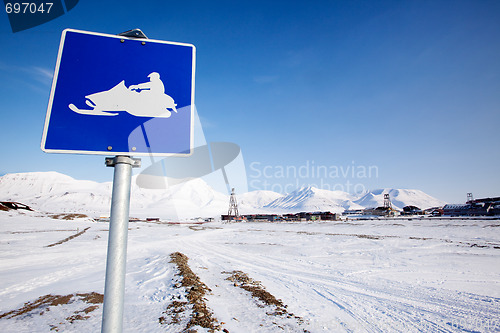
{"x":130,"y":95}
{"x":114,"y":287}
{"x":116,"y":261}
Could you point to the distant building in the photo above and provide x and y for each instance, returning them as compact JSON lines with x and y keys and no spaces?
{"x":457,"y":210}
{"x":412,"y":210}
{"x":381,"y":211}
{"x":262,"y":217}
{"x":302,"y":216}
{"x":320,"y":216}
{"x":474,"y":207}
{"x":352,"y":212}
{"x":465,"y":210}
{"x":489,"y":205}
{"x":291,"y":217}
{"x":494,"y":209}
{"x":434,"y":211}
{"x":232,"y":218}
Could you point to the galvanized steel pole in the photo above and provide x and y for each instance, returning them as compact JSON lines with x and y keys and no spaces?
{"x":114,"y":289}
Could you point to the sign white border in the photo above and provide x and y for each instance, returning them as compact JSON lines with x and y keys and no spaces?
{"x":128,"y":153}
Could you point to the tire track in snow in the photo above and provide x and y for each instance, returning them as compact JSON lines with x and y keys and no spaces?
{"x":392,"y":305}
{"x":235,"y":307}
{"x":346,"y":308}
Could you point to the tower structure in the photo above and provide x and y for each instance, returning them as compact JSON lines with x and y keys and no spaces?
{"x":470,"y":198}
{"x":387,"y":201}
{"x":233,"y":206}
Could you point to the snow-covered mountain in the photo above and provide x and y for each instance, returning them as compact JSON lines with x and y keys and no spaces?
{"x":399,"y":199}
{"x":257,"y":199}
{"x":313,"y":199}
{"x":55,"y":192}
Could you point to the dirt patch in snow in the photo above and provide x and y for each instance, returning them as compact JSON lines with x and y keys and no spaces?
{"x":202,"y":227}
{"x":68,"y":217}
{"x":43,"y":305}
{"x":241,"y":280}
{"x":69,"y":238}
{"x":195,"y":291}
{"x":259,"y":292}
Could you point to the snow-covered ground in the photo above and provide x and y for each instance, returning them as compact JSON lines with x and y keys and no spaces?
{"x":355,"y":276}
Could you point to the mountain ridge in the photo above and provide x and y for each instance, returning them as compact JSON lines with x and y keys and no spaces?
{"x":56,"y":192}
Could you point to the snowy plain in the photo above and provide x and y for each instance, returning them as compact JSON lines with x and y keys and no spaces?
{"x":394,"y":275}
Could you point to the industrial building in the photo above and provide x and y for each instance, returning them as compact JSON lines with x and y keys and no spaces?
{"x":474,"y":207}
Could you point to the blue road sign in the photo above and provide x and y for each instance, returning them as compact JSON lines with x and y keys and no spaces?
{"x":121,"y":96}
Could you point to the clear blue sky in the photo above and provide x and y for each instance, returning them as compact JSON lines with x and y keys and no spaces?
{"x":411,"y":88}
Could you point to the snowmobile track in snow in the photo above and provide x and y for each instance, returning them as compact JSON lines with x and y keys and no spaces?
{"x":195,"y":307}
{"x":69,"y":238}
{"x":259,"y":292}
{"x":392,"y":306}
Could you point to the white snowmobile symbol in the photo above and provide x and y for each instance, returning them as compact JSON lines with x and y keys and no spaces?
{"x":146,"y":99}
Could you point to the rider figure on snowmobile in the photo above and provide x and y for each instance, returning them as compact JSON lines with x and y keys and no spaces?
{"x":154,"y":86}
